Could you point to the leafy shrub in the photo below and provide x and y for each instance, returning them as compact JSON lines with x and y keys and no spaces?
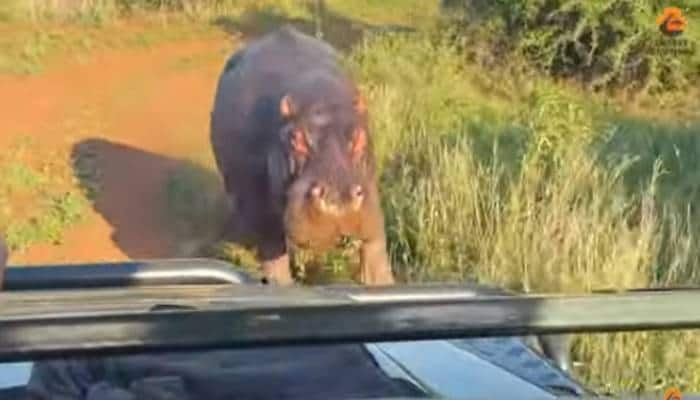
{"x":612,"y":44}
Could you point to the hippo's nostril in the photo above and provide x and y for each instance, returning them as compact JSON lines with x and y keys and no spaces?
{"x":318,"y":191}
{"x":358,"y":192}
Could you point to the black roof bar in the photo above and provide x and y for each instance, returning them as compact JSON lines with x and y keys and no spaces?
{"x":123,"y":274}
{"x":42,"y":324}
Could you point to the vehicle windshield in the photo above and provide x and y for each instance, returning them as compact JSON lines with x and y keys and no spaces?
{"x":526,"y":146}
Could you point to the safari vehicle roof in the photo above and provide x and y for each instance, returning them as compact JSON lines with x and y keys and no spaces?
{"x":179,"y":305}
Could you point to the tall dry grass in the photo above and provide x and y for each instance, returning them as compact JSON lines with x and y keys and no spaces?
{"x":535,"y":187}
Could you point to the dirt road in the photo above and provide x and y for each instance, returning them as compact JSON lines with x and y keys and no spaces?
{"x":140,"y":112}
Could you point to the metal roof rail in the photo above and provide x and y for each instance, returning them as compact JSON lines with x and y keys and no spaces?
{"x":195,"y":271}
{"x":36,"y":324}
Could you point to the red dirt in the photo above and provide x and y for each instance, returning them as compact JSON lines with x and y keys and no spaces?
{"x":152,"y":108}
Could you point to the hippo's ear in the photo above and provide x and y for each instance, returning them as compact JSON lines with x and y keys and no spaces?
{"x":287,"y":106}
{"x":300,"y":143}
{"x":358,"y":143}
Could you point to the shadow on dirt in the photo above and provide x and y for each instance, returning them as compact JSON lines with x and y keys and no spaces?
{"x":162,"y":207}
{"x":158,"y":206}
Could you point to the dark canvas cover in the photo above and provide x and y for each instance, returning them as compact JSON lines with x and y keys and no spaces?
{"x":316,"y":372}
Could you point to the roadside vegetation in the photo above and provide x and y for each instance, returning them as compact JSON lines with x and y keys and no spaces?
{"x":39,"y":196}
{"x":530,"y":184}
{"x":543,"y":146}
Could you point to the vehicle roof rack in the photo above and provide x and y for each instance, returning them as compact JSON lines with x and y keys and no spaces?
{"x":141,"y":318}
{"x":160,"y":272}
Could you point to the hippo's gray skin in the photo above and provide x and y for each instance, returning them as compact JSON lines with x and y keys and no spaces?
{"x":289,"y":131}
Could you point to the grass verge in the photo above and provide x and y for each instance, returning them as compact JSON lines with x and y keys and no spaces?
{"x":536,"y":187}
{"x":39,"y":197}
{"x":36,"y":34}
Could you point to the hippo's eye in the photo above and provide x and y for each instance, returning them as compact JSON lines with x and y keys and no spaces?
{"x":320,"y":118}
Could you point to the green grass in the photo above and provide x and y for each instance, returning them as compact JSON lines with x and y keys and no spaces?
{"x":34,"y":34}
{"x":536,"y":187}
{"x":27,"y":49}
{"x":39,"y":196}
{"x":389,"y":12}
{"x":103,"y":11}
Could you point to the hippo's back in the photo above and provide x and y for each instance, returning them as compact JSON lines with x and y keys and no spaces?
{"x":245,"y":115}
{"x":285,"y":52}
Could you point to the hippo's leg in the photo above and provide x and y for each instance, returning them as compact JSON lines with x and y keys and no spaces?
{"x":375,"y":267}
{"x":273,"y":250}
{"x":231,"y":228}
{"x":275,"y":262}
{"x":237,"y":229}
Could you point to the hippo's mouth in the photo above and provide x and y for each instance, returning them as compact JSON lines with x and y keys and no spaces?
{"x":315,"y":240}
{"x":315,"y":244}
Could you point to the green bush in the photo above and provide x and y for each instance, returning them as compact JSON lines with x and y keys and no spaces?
{"x":604,"y":44}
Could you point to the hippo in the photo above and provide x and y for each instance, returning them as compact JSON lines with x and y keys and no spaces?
{"x":290,"y":134}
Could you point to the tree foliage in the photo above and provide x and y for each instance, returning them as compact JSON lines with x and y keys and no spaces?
{"x":604,"y":44}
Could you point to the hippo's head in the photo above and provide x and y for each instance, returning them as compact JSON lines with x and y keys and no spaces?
{"x":329,"y":150}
